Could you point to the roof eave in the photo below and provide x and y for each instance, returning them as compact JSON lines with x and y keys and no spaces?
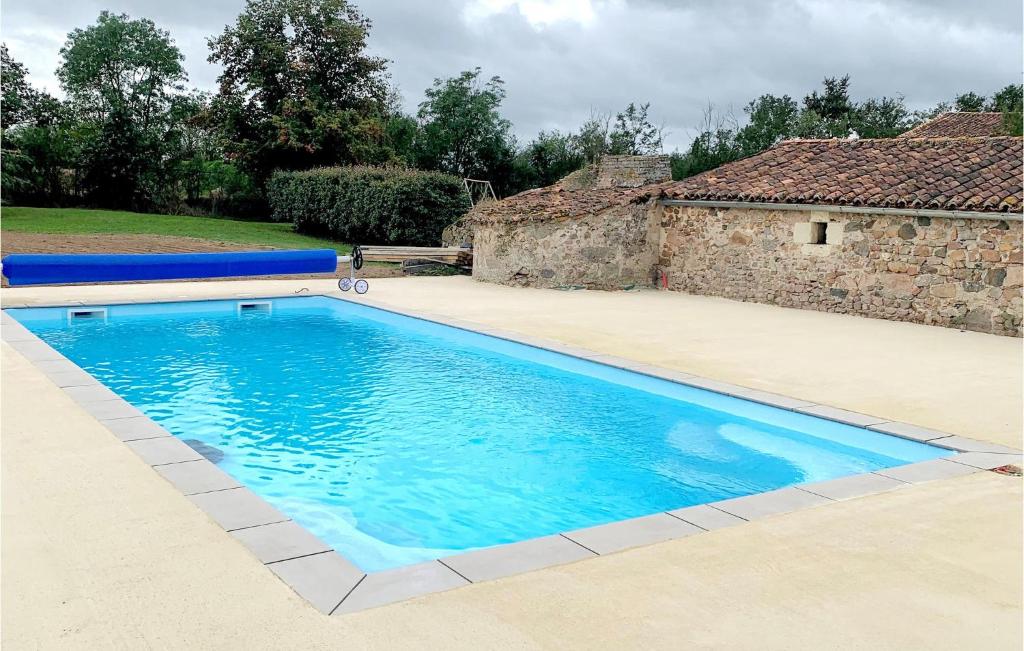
{"x":906,"y":212}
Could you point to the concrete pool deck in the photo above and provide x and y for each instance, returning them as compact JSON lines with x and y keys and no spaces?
{"x":98,"y":552}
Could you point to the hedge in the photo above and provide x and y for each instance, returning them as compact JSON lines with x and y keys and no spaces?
{"x":368,"y":205}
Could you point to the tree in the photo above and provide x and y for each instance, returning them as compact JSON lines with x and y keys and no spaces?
{"x":123,"y":66}
{"x":284,"y":51}
{"x":550,"y":157}
{"x":970,"y":102}
{"x":191,"y":143}
{"x":38,"y":138}
{"x":771,"y":120}
{"x":592,"y":139}
{"x":829,"y":114}
{"x":47,"y":157}
{"x":1010,"y":102}
{"x":715,"y":144}
{"x":18,"y":95}
{"x":21,"y":103}
{"x":298,"y":89}
{"x":834,"y":102}
{"x":633,"y":133}
{"x":118,"y":165}
{"x":885,"y":117}
{"x":461,"y":131}
{"x":122,"y":77}
{"x":400,"y":137}
{"x":1007,"y":100}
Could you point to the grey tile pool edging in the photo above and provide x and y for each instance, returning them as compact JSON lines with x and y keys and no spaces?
{"x":333,"y":585}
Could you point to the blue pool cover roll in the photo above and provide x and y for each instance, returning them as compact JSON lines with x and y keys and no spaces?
{"x":40,"y":269}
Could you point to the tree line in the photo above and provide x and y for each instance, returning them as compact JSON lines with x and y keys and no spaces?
{"x":830,"y":113}
{"x":298,"y":90}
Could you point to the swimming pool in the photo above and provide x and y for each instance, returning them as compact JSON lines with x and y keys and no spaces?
{"x":396,"y":440}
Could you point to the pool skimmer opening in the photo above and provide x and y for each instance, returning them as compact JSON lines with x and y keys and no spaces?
{"x":87,"y":314}
{"x":248,"y":307}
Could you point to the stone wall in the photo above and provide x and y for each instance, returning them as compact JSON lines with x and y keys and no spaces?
{"x":632,"y":171}
{"x":458,"y":234}
{"x":960,"y":273}
{"x":612,"y":249}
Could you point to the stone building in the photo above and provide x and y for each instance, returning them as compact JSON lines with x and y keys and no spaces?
{"x":584,"y":231}
{"x":923,"y":229}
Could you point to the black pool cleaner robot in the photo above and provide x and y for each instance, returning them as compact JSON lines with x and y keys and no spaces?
{"x":356,"y":260}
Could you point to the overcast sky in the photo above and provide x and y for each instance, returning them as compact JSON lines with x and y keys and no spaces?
{"x":563,"y":59}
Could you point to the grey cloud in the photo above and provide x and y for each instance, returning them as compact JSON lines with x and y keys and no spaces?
{"x":677,"y":55}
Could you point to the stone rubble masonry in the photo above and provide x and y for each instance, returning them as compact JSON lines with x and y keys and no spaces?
{"x":957,"y":273}
{"x":591,"y":189}
{"x":632,"y":171}
{"x":458,"y":234}
{"x":615,"y":248}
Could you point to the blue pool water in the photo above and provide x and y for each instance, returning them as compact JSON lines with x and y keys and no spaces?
{"x":396,"y":440}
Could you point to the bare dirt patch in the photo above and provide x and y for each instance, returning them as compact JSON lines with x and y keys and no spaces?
{"x":119,"y":243}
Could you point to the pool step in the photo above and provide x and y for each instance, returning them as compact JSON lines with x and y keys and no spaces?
{"x":212,"y":454}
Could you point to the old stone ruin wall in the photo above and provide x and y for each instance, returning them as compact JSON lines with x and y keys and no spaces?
{"x":609,"y":172}
{"x":958,"y":273}
{"x":632,"y":171}
{"x":613,"y":249}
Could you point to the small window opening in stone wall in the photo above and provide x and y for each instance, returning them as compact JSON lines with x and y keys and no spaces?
{"x":818,"y":232}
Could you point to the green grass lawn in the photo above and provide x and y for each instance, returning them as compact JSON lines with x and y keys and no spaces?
{"x":74,"y":221}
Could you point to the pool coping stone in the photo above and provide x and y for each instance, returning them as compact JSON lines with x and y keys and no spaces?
{"x":907,"y":431}
{"x":196,"y":477}
{"x":83,"y":394}
{"x":635,"y":532}
{"x":136,"y":428}
{"x":516,"y":558}
{"x":706,"y":517}
{"x":842,"y":415}
{"x":163,"y":450}
{"x":986,"y":460}
{"x":399,"y":584}
{"x":962,"y":444}
{"x":279,"y":541}
{"x":237,"y":508}
{"x":930,"y":470}
{"x":104,"y":410}
{"x":324,"y":580}
{"x":775,"y":502}
{"x":334,"y":585}
{"x":844,"y":488}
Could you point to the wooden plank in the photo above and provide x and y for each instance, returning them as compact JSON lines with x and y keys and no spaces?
{"x":423,"y":251}
{"x":451,"y":254}
{"x":412,"y":248}
{"x":405,"y":251}
{"x":401,"y":258}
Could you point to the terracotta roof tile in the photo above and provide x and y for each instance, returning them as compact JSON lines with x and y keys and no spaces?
{"x":552,"y":202}
{"x":982,"y":174}
{"x":959,"y":125}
